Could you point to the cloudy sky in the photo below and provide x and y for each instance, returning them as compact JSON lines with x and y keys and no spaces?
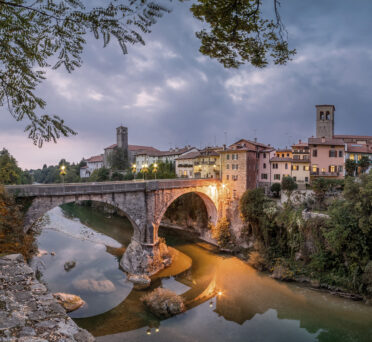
{"x":169,"y":95}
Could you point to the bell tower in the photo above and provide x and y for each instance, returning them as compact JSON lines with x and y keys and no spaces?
{"x":325,"y":121}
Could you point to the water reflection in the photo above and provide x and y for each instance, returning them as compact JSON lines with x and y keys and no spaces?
{"x":227,"y":300}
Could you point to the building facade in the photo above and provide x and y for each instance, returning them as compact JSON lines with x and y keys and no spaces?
{"x":93,"y":163}
{"x":301,"y":164}
{"x":185,"y":165}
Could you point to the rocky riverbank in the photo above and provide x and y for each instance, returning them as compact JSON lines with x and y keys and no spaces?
{"x":28,"y":312}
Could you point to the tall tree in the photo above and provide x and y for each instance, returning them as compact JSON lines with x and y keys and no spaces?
{"x":10,"y":173}
{"x":364,"y":163}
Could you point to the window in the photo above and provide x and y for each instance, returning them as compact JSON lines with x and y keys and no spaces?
{"x":234,"y":177}
{"x":332,"y":153}
{"x":185,"y":173}
{"x":321,"y":116}
{"x":227,"y":156}
{"x":327,"y":115}
{"x":275,"y":165}
{"x":294,"y":178}
{"x":315,"y":168}
{"x":236,"y":166}
{"x":277,"y":176}
{"x":263,"y":175}
{"x":296,"y":156}
{"x":352,"y":156}
{"x":264,"y":155}
{"x":295,"y":167}
{"x":287,"y":154}
{"x":282,"y":155}
{"x":323,"y":169}
{"x":340,"y":168}
{"x":227,"y":177}
{"x":286,"y":166}
{"x":340,"y":154}
{"x":315,"y":153}
{"x":264,"y":165}
{"x":332,"y":168}
{"x":307,"y":179}
{"x":306,"y":168}
{"x":233,"y":166}
{"x":227,"y":166}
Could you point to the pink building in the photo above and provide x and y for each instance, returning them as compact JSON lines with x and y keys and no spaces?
{"x":264,"y":168}
{"x":327,"y":157}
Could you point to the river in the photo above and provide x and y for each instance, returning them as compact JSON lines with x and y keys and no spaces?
{"x":227,"y":300}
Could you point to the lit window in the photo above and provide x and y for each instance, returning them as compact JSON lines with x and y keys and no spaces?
{"x":323,"y":169}
{"x":351,"y":156}
{"x":332,"y":168}
{"x":315,"y":168}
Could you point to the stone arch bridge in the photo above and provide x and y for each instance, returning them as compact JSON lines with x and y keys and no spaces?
{"x":143,"y":202}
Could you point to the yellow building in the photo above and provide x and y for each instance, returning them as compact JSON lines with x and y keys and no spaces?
{"x":207,"y":163}
{"x":301,"y":163}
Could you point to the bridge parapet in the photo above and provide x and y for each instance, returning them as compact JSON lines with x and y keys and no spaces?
{"x":36,"y":190}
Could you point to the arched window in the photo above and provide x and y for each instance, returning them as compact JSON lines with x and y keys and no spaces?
{"x":327,"y":115}
{"x":321,"y":115}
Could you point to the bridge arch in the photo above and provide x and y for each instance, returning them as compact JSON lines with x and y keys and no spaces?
{"x":41,"y":205}
{"x":210,"y":206}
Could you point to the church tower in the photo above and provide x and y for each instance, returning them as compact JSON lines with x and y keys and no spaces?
{"x":325,"y":121}
{"x":122,"y":137}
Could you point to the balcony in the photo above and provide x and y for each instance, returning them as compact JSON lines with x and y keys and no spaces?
{"x":324,"y":174}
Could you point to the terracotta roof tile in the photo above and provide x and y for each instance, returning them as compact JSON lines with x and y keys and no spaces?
{"x":95,"y":159}
{"x":326,"y":141}
{"x":278,"y":159}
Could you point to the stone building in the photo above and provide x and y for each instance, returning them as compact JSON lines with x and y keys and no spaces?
{"x":325,"y":121}
{"x":130,"y":151}
{"x":240,"y":166}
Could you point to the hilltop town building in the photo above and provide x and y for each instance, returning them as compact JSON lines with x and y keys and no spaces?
{"x":93,"y":163}
{"x":185,"y":164}
{"x":207,"y":163}
{"x":301,"y":164}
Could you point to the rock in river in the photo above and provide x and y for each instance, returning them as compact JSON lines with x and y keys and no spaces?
{"x":140,"y":281}
{"x":69,"y":265}
{"x":69,"y":301}
{"x":163,"y":303}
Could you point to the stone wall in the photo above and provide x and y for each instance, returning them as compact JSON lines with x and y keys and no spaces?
{"x":28,"y":312}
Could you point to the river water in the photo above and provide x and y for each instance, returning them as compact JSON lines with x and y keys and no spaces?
{"x":227,"y":300}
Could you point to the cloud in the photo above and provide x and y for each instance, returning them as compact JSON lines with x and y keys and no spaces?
{"x":168,"y":94}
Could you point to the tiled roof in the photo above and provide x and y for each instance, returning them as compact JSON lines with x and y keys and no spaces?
{"x":326,"y":141}
{"x":345,"y":136}
{"x":134,"y":148}
{"x":284,"y":150}
{"x":251,"y":142}
{"x":301,"y":144}
{"x":190,"y":155}
{"x":359,"y":148}
{"x":95,"y":159}
{"x":278,"y":159}
{"x":174,"y":152}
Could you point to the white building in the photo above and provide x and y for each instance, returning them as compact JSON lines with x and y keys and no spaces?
{"x":93,"y":163}
{"x":151,"y":157}
{"x":185,"y":164}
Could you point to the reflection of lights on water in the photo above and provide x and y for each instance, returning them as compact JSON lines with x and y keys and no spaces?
{"x":157,"y":330}
{"x":148,"y":331}
{"x":219,"y":293}
{"x":211,"y":304}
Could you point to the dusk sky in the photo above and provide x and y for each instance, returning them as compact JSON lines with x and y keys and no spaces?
{"x":168,"y":94}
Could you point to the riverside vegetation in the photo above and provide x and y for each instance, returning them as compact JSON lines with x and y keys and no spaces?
{"x":334,"y":250}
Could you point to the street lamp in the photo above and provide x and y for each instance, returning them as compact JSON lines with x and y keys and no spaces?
{"x":144,"y":170}
{"x":155,"y":169}
{"x":62,"y":172}
{"x":134,"y":170}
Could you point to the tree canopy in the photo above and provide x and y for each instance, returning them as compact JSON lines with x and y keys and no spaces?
{"x":42,"y":34}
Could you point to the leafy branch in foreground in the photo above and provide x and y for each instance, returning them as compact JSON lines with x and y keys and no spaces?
{"x":31,"y":33}
{"x":238,"y":33}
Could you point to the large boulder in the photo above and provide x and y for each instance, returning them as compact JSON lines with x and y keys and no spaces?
{"x":163,"y":303}
{"x":143,"y":259}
